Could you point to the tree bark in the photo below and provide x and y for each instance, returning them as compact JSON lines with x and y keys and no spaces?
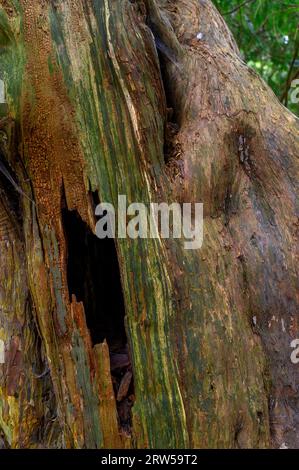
{"x":105,"y":98}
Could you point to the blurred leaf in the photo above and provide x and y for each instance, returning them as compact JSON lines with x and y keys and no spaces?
{"x":267,"y":33}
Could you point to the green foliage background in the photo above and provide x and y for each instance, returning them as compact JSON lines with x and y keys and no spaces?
{"x":267,"y":32}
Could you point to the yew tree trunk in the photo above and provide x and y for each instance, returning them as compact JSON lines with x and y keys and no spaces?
{"x":119,"y":97}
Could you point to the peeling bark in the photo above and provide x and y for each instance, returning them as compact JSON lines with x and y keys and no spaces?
{"x":118,"y":97}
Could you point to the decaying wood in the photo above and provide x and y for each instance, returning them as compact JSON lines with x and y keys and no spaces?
{"x":209,"y":331}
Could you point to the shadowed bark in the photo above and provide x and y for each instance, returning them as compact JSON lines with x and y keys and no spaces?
{"x":143,"y":343}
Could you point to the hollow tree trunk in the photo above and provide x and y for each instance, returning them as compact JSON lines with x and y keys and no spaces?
{"x":93,"y":111}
